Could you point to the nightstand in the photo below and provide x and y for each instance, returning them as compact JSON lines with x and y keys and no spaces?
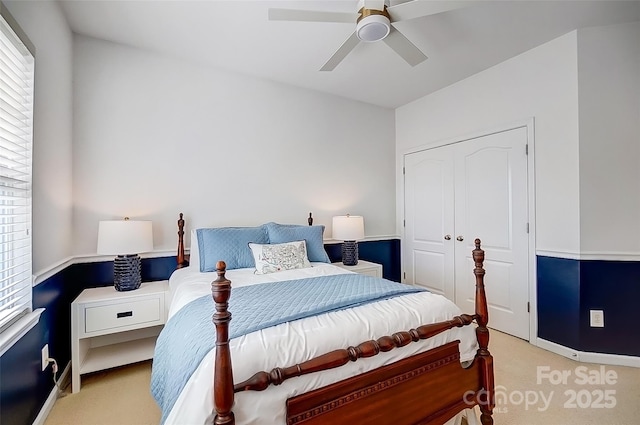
{"x":364,"y":267}
{"x":111,"y":328}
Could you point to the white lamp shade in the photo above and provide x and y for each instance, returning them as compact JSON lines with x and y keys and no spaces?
{"x":124,"y":237}
{"x":348,"y":227}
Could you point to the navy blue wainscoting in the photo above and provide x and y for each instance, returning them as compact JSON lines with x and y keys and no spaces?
{"x":385,"y":252}
{"x":569,"y":289}
{"x":559,"y":301}
{"x":24,"y":387}
{"x":614,"y":287}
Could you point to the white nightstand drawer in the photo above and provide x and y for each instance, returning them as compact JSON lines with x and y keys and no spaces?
{"x":370,"y":272}
{"x":122,"y":314}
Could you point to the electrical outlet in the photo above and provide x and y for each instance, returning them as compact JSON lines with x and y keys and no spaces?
{"x":45,"y":356}
{"x":597,"y":318}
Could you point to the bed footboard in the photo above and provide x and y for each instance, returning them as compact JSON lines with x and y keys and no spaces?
{"x":411,"y":391}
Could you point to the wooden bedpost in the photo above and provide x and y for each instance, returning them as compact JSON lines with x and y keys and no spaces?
{"x":223,"y":374}
{"x":181,"y":258}
{"x":486,"y":401}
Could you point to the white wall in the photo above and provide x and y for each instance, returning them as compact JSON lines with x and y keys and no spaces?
{"x":609,"y":83}
{"x":541,"y":83}
{"x":154,"y":136}
{"x":46,"y":27}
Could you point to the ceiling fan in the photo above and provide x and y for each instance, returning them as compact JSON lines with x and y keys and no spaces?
{"x":375,"y":21}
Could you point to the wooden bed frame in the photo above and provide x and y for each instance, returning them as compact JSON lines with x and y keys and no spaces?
{"x":426,"y":388}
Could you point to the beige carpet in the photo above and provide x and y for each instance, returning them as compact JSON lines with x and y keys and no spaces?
{"x":121,"y":396}
{"x":574,"y":400}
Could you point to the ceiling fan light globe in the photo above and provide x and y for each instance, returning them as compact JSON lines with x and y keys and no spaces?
{"x":373,"y":28}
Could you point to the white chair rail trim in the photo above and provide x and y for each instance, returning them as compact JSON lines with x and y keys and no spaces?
{"x":590,"y":255}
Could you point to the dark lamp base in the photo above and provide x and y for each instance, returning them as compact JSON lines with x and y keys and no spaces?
{"x":350,"y":253}
{"x":126,"y":272}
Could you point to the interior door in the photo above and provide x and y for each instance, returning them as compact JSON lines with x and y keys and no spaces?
{"x":491,"y":197}
{"x":472,"y":189}
{"x":429,"y":221}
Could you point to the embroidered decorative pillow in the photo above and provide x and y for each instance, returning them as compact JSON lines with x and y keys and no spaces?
{"x":271,"y":258}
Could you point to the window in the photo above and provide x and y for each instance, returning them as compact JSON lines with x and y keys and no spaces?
{"x":16,"y":137}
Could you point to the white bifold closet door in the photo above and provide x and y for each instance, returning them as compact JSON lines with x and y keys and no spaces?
{"x":456,"y":193}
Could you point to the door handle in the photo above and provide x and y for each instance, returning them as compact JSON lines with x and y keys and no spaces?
{"x":447,"y":237}
{"x":460,"y":238}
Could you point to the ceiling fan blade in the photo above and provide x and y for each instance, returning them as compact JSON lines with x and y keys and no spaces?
{"x":341,"y":53}
{"x":405,"y":48}
{"x":418,"y":8}
{"x":311,"y":16}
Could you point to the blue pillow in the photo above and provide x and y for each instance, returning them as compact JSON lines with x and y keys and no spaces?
{"x":229,"y":244}
{"x":312,"y":235}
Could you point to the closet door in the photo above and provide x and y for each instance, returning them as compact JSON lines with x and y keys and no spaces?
{"x":491,"y":203}
{"x":428,"y":249}
{"x":456,"y":193}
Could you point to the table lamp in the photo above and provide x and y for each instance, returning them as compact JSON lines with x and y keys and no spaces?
{"x":349,"y":228}
{"x":125,"y":239}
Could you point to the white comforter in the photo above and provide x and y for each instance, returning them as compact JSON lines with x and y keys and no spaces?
{"x":297,"y":341}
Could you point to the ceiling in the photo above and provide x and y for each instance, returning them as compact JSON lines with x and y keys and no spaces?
{"x":237,"y":36}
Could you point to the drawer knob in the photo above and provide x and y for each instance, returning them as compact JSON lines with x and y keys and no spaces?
{"x":125,"y":314}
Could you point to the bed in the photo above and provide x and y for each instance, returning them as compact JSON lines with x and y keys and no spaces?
{"x":405,"y":356}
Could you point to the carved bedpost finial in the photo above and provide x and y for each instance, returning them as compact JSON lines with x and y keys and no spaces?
{"x":310,"y":220}
{"x":482,"y":313}
{"x":478,"y":253}
{"x":482,"y":310}
{"x":221,"y":291}
{"x":223,"y":384}
{"x":181,"y":258}
{"x":221,"y":268}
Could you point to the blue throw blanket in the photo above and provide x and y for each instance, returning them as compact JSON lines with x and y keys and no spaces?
{"x":190,"y":334}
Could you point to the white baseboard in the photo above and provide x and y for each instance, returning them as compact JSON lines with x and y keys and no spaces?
{"x":53,"y":396}
{"x":589,"y":357}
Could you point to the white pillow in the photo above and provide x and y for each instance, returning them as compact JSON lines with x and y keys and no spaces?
{"x":270,"y":258}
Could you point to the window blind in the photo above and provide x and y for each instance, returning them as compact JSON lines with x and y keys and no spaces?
{"x":16,"y":141}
